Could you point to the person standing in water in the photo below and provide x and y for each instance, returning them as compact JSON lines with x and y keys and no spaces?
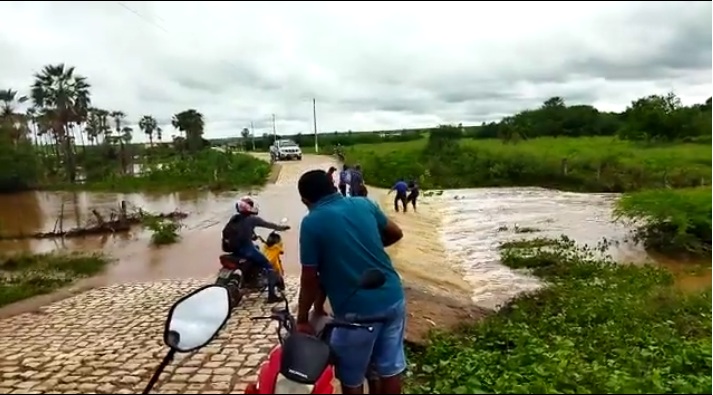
{"x":414,"y":191}
{"x":331,"y":172}
{"x":401,"y":189}
{"x":344,"y":179}
{"x":356,"y":184}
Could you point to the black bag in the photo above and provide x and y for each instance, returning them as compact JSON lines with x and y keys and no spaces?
{"x":229,"y":232}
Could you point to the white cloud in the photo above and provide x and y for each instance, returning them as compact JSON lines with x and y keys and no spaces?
{"x":371,"y":65}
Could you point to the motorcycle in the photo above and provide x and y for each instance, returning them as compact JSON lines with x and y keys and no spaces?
{"x":232,"y":273}
{"x":301,"y":363}
{"x":193,"y":321}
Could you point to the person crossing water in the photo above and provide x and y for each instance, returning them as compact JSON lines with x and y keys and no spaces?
{"x":401,"y":189}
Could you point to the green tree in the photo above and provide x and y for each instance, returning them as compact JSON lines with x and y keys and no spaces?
{"x":149,"y":126}
{"x":64,"y":100}
{"x":191,"y":123}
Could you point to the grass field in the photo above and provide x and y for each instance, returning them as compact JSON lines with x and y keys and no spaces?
{"x":598,"y":164}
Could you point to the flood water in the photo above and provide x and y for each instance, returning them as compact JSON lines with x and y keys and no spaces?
{"x":471,"y":224}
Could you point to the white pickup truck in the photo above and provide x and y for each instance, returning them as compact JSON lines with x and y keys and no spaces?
{"x":285,"y":150}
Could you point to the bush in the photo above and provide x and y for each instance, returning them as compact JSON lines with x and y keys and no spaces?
{"x":598,"y":327}
{"x":673,"y":221}
{"x":209,"y":169}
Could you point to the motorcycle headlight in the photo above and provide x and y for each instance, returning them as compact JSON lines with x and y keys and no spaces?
{"x":283,"y":385}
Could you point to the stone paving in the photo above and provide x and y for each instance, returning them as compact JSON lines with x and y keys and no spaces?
{"x":109,"y":340}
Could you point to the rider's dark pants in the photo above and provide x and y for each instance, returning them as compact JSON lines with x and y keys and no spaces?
{"x":400,"y":197}
{"x":253,"y":255}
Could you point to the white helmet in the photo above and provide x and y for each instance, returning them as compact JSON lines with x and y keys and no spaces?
{"x":246,"y":205}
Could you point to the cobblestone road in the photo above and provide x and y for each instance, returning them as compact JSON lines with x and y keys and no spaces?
{"x":109,"y":340}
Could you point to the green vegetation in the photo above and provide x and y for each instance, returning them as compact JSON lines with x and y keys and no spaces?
{"x":598,"y":327}
{"x":63,"y":141}
{"x":653,"y":118}
{"x":656,"y":142}
{"x":592,"y":164}
{"x":671,"y":221}
{"x":165,"y":231}
{"x":24,"y":276}
{"x":206,"y":169}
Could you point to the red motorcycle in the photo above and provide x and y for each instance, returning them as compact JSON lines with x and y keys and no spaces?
{"x":301,"y":363}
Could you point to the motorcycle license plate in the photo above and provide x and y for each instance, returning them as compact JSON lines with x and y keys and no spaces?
{"x":224,"y":273}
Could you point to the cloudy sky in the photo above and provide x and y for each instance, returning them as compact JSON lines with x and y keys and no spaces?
{"x":369,"y":65}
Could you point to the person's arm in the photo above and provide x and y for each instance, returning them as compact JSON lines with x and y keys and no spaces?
{"x":390,"y":231}
{"x":309,"y":259}
{"x":257,"y":221}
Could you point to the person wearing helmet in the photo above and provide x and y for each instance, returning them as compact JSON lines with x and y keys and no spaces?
{"x":238,"y":237}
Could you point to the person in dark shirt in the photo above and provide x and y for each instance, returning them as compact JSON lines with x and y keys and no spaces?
{"x":331,"y":172}
{"x":401,"y":189}
{"x":238,"y":240}
{"x":414,"y":191}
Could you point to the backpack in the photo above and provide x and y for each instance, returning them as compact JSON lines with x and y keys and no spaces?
{"x":229,"y":232}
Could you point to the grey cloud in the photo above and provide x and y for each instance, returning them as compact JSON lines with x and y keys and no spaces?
{"x":369,"y":68}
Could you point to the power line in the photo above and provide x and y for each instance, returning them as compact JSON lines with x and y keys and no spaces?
{"x":146,"y":19}
{"x":153,"y":23}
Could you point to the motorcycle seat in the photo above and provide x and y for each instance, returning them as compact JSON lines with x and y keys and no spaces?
{"x":231,"y":262}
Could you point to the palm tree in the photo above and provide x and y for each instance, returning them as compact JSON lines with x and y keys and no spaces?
{"x":148,"y":125}
{"x":65,"y":99}
{"x":118,"y":117}
{"x":191,"y":123}
{"x":11,"y":120}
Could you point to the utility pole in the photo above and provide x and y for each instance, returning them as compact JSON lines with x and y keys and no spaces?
{"x":274,"y":129}
{"x":252,"y":133}
{"x":314,"y":118}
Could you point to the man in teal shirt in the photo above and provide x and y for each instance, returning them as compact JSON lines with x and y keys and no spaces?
{"x":340,"y":238}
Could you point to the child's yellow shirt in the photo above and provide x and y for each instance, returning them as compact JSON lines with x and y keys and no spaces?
{"x":273,"y":255}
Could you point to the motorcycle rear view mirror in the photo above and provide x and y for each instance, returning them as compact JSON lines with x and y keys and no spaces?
{"x":196,"y":319}
{"x":372,"y":279}
{"x":193,"y":321}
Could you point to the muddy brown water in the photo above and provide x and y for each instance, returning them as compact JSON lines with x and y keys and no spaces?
{"x":450,"y":245}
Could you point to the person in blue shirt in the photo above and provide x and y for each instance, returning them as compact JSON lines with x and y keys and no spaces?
{"x":401,"y":188}
{"x":340,"y":238}
{"x":356,"y":182}
{"x":344,"y":179}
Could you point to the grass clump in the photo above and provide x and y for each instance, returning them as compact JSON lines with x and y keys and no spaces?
{"x":597,"y":327}
{"x":670,"y":221}
{"x":26,"y":275}
{"x":164,"y":230}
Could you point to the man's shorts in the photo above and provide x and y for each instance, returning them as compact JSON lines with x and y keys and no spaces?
{"x":383,"y":348}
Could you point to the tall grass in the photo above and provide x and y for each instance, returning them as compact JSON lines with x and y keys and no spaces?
{"x":595,"y":164}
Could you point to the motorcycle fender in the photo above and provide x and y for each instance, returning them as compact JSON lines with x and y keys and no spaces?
{"x":270,"y":370}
